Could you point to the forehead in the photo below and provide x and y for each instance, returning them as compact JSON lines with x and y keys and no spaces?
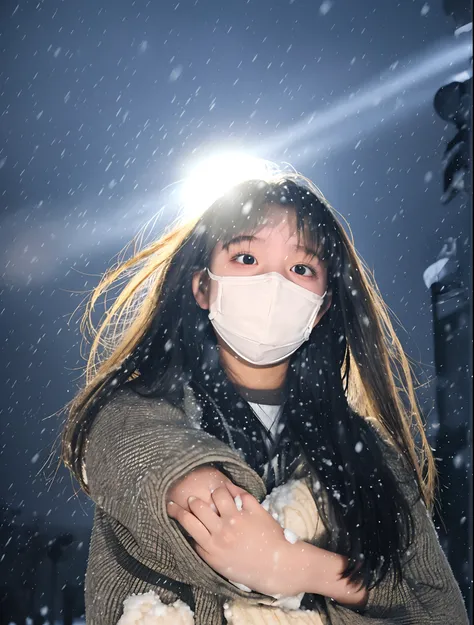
{"x":274,"y":220}
{"x":277,"y":219}
{"x":257,"y":212}
{"x":278,"y":229}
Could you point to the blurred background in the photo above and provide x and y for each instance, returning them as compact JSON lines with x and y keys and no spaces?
{"x":104,"y":106}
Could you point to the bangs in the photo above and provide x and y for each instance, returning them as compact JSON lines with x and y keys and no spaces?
{"x":244,"y":209}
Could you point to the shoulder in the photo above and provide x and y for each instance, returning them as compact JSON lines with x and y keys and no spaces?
{"x":390,"y":451}
{"x":396,"y":461}
{"x":380,"y":432}
{"x":125,"y":404}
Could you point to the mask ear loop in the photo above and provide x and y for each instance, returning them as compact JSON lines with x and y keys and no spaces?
{"x":217,"y":303}
{"x":310,"y":327}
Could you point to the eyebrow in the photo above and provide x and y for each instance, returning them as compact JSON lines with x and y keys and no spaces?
{"x":249,"y":238}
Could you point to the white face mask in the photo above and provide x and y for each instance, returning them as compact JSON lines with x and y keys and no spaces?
{"x":263,"y":318}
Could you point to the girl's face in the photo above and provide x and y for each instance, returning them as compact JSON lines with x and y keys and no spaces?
{"x":274,"y":247}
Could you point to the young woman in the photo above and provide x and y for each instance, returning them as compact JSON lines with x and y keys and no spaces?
{"x":256,"y":348}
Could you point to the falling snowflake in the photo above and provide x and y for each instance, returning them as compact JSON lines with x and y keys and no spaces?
{"x":247,"y":207}
{"x":176,"y":73}
{"x":325,"y":7}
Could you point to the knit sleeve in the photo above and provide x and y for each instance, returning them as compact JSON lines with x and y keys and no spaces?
{"x":428,"y":593}
{"x":136,"y":449}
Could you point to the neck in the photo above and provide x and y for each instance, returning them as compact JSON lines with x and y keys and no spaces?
{"x":252,"y":376}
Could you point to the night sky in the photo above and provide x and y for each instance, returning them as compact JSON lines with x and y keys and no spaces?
{"x":105,"y":104}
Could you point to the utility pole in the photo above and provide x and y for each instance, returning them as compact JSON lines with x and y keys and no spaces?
{"x":449,"y":280}
{"x":55,"y":552}
{"x":451,"y":306}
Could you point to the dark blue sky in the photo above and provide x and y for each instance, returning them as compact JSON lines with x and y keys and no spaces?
{"x":104,"y":104}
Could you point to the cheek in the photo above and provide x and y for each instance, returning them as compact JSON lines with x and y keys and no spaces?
{"x":323,"y":282}
{"x":315,"y":286}
{"x":217,"y":260}
{"x":220,"y":263}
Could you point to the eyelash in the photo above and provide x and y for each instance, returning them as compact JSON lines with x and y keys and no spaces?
{"x":313,"y":271}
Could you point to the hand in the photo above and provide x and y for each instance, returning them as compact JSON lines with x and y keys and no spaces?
{"x":198,"y":483}
{"x":246,"y":546}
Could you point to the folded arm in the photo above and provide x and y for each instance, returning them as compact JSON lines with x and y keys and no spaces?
{"x":428,"y":594}
{"x":138,"y":448}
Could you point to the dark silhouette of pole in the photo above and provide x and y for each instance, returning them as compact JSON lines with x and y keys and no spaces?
{"x":450,"y":293}
{"x":451,"y":327}
{"x":55,"y":551}
{"x":69,"y":595}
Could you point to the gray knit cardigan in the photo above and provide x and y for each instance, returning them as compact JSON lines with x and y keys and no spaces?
{"x":137,"y":448}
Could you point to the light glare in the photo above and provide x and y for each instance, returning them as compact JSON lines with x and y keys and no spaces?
{"x":211,"y":178}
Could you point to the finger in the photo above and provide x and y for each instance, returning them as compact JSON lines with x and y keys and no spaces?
{"x":234,"y":490}
{"x":224,"y":501}
{"x":249,"y":503}
{"x":203,"y":511}
{"x":190,"y":524}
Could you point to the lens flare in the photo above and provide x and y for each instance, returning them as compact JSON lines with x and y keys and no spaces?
{"x":211,"y":178}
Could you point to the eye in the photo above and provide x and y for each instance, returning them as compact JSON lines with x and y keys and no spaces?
{"x":304,"y":270}
{"x":245,"y":259}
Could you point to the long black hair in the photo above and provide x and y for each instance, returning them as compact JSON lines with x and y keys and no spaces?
{"x":370,"y":520}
